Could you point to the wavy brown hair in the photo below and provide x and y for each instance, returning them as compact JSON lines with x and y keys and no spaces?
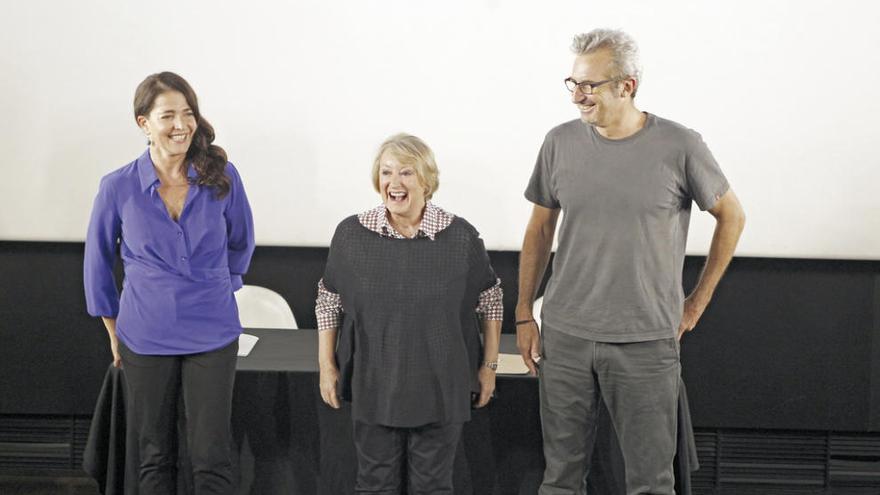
{"x":209,"y":160}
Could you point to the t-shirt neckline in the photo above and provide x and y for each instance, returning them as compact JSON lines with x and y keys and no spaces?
{"x":649,"y":122}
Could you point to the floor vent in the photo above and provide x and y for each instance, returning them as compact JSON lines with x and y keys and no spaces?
{"x":854,"y":463}
{"x":772,"y":458}
{"x":753,"y":462}
{"x":703,"y":480}
{"x":42,"y":442}
{"x":737,"y":462}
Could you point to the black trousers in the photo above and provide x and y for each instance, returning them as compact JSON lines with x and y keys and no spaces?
{"x":427,"y":453}
{"x":155,"y":384}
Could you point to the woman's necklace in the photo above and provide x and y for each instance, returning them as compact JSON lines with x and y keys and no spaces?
{"x":406,"y":231}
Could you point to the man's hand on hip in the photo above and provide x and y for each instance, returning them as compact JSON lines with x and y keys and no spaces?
{"x":693,"y":310}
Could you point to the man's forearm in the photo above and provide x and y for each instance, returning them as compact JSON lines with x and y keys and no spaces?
{"x":533,"y":260}
{"x":724,"y":240}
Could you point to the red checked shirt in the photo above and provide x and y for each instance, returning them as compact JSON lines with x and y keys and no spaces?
{"x":328,"y":307}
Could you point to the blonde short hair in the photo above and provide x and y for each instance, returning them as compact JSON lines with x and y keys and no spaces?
{"x":413,"y":152}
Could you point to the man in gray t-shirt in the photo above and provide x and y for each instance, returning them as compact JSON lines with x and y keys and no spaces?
{"x":614,"y":308}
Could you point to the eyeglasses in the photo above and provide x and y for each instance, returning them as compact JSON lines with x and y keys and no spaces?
{"x":586,"y":87}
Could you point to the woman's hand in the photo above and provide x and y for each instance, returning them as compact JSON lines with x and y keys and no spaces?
{"x":329,"y":381}
{"x":110,"y":325}
{"x":486,"y":377}
{"x":329,"y":372}
{"x":114,"y":348}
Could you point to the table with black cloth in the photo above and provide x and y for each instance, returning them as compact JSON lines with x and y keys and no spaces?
{"x":290,"y":442}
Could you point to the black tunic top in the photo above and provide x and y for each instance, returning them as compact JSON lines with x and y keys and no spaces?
{"x":409,"y":346}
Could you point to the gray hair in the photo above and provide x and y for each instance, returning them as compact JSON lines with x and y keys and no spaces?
{"x":624,"y":51}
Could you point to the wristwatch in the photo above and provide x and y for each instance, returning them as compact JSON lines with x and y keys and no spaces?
{"x":492,"y":365}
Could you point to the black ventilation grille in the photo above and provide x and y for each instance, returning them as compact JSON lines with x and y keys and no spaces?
{"x":753,"y":462}
{"x":854,"y":463}
{"x":704,"y":480}
{"x":42,"y":442}
{"x":773,"y":458}
{"x":736,"y":462}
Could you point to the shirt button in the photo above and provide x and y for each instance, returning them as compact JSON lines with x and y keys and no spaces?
{"x":179,"y":233}
{"x":183,"y":258}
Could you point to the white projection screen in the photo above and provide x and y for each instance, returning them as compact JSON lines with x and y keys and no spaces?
{"x":301,"y":93}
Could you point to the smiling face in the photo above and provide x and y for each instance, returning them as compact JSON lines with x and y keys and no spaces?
{"x":403,"y":193}
{"x":606,"y":105}
{"x":170,"y":125}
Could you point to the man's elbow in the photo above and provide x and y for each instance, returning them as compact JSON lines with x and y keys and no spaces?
{"x":740,"y":218}
{"x":735,"y":219}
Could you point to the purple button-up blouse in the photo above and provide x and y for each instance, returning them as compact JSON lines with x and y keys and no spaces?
{"x":177,"y":294}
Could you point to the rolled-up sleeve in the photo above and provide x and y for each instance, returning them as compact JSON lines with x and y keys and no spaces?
{"x":491,"y":305}
{"x":328,"y":307}
{"x":102,"y":238}
{"x":239,"y":229}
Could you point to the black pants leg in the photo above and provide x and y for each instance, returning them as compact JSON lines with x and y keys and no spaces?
{"x":431,"y":457}
{"x":154,"y":385}
{"x":428,"y":452}
{"x":380,"y":458}
{"x":207,"y":380}
{"x":152,"y":393}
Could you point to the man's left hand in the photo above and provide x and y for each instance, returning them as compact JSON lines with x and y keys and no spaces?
{"x":693,"y":310}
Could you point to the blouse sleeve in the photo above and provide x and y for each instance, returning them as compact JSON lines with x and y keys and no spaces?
{"x":102,"y":238}
{"x":239,"y":229}
{"x":491,"y":305}
{"x":328,"y":308}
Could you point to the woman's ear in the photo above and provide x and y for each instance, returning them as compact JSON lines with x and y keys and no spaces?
{"x":144,"y":124}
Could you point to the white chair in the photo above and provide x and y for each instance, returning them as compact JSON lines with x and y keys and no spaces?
{"x":259,"y":307}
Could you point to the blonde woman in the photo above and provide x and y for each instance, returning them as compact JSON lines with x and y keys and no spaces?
{"x":406,"y":289}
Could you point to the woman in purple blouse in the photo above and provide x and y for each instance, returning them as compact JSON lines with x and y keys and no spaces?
{"x":181,"y":222}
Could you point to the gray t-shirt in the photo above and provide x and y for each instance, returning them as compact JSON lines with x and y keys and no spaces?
{"x":626,"y":206}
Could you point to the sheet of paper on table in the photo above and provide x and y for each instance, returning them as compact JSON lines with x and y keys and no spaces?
{"x":246,"y":343}
{"x":511,"y":364}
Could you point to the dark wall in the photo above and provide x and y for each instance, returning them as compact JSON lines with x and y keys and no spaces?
{"x":52,"y":354}
{"x":785,"y":344}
